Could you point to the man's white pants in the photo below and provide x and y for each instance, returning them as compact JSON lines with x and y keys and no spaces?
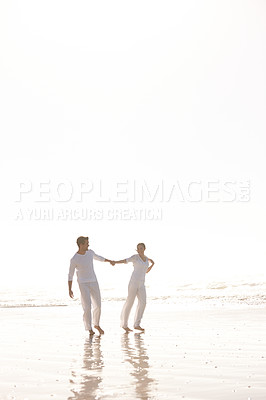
{"x":135,"y":289}
{"x":90,"y":295}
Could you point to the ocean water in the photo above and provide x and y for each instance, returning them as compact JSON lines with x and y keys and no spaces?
{"x":241,"y":293}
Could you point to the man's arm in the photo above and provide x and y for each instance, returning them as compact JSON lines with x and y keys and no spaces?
{"x":100,"y":258}
{"x":71,"y":294}
{"x":70,"y":278}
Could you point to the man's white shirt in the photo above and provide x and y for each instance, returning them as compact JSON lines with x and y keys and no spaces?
{"x":83,"y":264}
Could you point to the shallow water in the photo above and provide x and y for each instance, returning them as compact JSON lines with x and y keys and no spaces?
{"x":235,"y":293}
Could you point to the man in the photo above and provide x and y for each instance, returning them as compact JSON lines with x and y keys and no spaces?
{"x":89,"y":288}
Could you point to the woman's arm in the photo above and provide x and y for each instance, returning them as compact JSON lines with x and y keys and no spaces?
{"x":150,"y":267}
{"x":120,"y":262}
{"x":126,"y":260}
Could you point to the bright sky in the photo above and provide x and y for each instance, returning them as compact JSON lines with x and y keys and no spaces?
{"x":111,"y":97}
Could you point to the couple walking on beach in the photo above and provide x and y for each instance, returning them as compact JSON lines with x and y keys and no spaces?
{"x":82,"y":262}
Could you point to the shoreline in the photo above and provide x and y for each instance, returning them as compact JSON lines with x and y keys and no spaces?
{"x":214,"y":354}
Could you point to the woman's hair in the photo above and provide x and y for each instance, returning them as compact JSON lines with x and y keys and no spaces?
{"x":141,"y":244}
{"x":81,"y":240}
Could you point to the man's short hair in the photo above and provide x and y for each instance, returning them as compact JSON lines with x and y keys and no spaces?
{"x":81,"y":240}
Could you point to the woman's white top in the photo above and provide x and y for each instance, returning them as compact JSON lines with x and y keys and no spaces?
{"x":83,"y":264}
{"x":140,"y":267}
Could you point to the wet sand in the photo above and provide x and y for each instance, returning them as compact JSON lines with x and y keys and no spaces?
{"x":199,"y":354}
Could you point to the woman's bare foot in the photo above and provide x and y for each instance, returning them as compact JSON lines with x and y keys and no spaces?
{"x":99,"y":329}
{"x":139,"y":328}
{"x":91,"y":332}
{"x":127,"y":329}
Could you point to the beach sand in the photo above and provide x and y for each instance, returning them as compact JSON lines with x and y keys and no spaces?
{"x":200,"y":354}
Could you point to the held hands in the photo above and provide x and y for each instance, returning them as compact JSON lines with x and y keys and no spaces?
{"x":110,"y":261}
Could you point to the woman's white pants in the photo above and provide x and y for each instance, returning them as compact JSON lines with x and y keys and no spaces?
{"x":90,"y":296}
{"x":135,"y":289}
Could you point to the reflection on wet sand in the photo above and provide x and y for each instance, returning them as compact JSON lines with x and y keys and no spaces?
{"x":136,"y":354}
{"x":92,"y":366}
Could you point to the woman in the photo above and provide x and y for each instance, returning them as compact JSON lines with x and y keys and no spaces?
{"x":136,"y":287}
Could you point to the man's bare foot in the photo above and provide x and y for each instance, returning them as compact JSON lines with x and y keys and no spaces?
{"x":139,"y":328}
{"x":99,"y":329}
{"x":127,"y":329}
{"x":91,"y":332}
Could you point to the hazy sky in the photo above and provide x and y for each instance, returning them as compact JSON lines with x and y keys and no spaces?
{"x":112,"y":97}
